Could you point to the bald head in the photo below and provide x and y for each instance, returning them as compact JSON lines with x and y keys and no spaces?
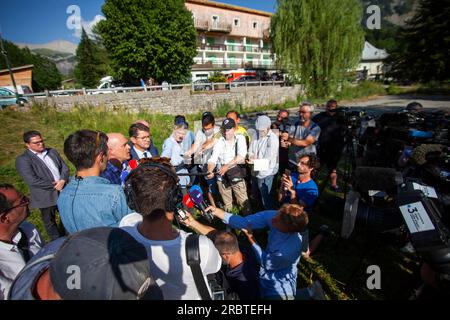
{"x":118,"y":147}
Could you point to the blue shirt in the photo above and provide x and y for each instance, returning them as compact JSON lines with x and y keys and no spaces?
{"x":306,"y":192}
{"x":278,"y":271}
{"x":91,"y":202}
{"x":173,"y":150}
{"x":112,"y":173}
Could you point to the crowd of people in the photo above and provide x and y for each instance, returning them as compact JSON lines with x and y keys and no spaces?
{"x":123,"y":232}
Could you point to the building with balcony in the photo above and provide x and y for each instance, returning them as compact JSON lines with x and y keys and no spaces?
{"x":230,"y":37}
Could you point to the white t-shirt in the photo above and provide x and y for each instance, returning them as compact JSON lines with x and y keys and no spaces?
{"x":169,"y":267}
{"x":11,"y":259}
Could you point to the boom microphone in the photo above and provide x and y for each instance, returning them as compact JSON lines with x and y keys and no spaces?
{"x":197,"y":198}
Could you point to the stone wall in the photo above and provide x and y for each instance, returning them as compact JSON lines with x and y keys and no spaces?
{"x":178,"y":101}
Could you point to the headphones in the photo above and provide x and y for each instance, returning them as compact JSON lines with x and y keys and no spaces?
{"x":174,"y":196}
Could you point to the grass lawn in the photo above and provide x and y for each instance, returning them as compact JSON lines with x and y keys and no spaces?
{"x":339,"y":264}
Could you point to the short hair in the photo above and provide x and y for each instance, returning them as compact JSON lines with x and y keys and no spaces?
{"x":294,"y":217}
{"x":208,"y":119}
{"x":4,"y":203}
{"x":149,"y":184}
{"x":83,"y":146}
{"x":330,"y":102}
{"x":309,"y":104}
{"x":238,"y":116}
{"x":134,"y":128}
{"x":283,"y":110}
{"x":226,"y":241}
{"x":31,"y":134}
{"x":313,"y":161}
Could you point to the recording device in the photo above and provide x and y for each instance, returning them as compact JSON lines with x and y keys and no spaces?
{"x":287,"y":172}
{"x":188,"y":204}
{"x":197,"y":199}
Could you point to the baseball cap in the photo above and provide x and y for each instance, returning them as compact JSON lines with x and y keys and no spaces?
{"x":207,"y":114}
{"x":111,"y":265}
{"x":228,"y":124}
{"x":262,"y":122}
{"x":181,"y":120}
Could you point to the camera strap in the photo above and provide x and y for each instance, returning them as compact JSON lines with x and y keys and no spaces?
{"x":193,"y":260}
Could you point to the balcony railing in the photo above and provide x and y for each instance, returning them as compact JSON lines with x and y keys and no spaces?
{"x":201,"y":24}
{"x":205,"y":25}
{"x":220,"y":27}
{"x":232,"y":47}
{"x":234,"y":65}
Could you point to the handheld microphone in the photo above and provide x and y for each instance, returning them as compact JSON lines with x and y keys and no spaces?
{"x":133,"y":164}
{"x":187,"y":201}
{"x":196,"y":187}
{"x":197,"y":198}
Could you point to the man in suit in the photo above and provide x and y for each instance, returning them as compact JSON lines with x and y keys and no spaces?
{"x":46,"y":174}
{"x":142,"y":144}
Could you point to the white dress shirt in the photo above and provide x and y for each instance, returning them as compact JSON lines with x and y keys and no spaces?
{"x":49,"y":163}
{"x":140,"y":154}
{"x":225,"y":152}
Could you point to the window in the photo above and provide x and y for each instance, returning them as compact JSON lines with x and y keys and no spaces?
{"x":215,"y":19}
{"x":237,"y":22}
{"x":255,"y":25}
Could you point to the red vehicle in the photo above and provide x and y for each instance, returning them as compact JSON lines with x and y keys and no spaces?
{"x":235,"y":74}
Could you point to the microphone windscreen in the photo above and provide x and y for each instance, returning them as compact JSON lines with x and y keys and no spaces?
{"x":196,"y":187}
{"x":133,"y":164}
{"x":187,"y":201}
{"x":196,"y":197}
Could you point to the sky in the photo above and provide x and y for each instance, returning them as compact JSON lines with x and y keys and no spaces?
{"x":43,"y":21}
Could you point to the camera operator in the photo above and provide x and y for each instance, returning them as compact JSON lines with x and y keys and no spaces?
{"x":331,"y":141}
{"x":302,"y":137}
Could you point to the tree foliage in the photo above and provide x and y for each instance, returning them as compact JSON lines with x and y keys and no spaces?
{"x":424,"y":45}
{"x":317,"y":41}
{"x":45,"y":73}
{"x":149,"y":38}
{"x":92,"y":62}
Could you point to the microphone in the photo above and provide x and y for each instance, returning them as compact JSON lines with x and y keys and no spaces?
{"x":187,"y":201}
{"x":197,"y":198}
{"x":196,"y":187}
{"x":133,"y":164}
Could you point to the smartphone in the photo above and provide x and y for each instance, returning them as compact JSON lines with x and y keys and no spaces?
{"x":287,"y":172}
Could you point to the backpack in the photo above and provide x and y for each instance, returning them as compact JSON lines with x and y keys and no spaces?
{"x":217,"y":282}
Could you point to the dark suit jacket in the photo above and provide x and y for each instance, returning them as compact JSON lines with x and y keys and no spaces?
{"x":152,"y":150}
{"x":39,"y":178}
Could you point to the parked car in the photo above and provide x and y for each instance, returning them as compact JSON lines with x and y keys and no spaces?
{"x":8,"y":97}
{"x":202,"y":84}
{"x":21,"y":89}
{"x":244,"y":80}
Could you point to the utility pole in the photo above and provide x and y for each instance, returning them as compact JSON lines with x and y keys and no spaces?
{"x":5,"y":54}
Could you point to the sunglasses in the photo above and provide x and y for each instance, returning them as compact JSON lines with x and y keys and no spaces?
{"x":24,"y":201}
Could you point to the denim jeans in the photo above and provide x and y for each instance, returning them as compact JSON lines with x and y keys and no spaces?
{"x":263,"y":188}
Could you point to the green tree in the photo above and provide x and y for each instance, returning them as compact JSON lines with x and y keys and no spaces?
{"x":149,"y":38}
{"x":317,"y":41}
{"x":90,"y":62}
{"x":45,"y":73}
{"x":424,"y":45}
